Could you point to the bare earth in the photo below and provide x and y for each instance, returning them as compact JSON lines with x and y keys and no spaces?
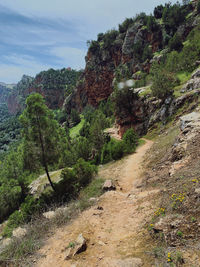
{"x":115,"y":235}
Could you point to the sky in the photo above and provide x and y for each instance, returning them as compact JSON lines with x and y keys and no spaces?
{"x":36,"y":35}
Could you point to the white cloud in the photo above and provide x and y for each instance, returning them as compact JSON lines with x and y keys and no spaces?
{"x":18,"y":65}
{"x":96,"y":15}
{"x":69,"y":56}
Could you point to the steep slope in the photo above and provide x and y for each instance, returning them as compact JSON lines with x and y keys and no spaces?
{"x":129,"y":51}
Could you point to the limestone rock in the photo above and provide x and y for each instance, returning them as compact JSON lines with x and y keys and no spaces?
{"x":19,"y":232}
{"x":197,"y":191}
{"x":193,"y":83}
{"x":190,"y":120}
{"x":79,"y":246}
{"x":109,"y":185}
{"x":49,"y":214}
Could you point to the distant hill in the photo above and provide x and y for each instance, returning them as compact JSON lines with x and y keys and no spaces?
{"x":54,"y":85}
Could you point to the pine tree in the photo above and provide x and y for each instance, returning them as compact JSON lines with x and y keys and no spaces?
{"x":41,"y":132}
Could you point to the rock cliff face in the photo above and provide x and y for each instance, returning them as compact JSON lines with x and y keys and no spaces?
{"x":51,"y":84}
{"x":125,"y":54}
{"x":102,"y":62}
{"x":146,"y":112}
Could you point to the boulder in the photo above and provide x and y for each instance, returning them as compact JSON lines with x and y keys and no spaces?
{"x":49,"y":214}
{"x":79,"y":246}
{"x":19,"y":232}
{"x":193,"y":83}
{"x":190,"y":120}
{"x":197,"y":191}
{"x":108,"y":185}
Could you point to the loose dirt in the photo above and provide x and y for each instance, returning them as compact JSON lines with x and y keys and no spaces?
{"x":115,"y":232}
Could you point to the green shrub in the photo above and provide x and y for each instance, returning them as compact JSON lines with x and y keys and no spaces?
{"x":198,"y":6}
{"x":163,"y":81}
{"x":84,"y":172}
{"x":23,"y":215}
{"x":130,"y":139}
{"x":106,"y":154}
{"x":175,"y":43}
{"x":74,"y":179}
{"x":113,"y":150}
{"x":117,"y":149}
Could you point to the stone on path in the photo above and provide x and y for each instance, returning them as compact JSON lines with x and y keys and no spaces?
{"x":109,"y":185}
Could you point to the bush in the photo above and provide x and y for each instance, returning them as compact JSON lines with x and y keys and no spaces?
{"x":130,"y":139}
{"x":113,"y":150}
{"x":74,"y":179}
{"x":163,"y":82}
{"x":198,"y":6}
{"x":84,"y":172}
{"x":23,"y":215}
{"x":158,"y":11}
{"x":75,"y":117}
{"x":175,"y":43}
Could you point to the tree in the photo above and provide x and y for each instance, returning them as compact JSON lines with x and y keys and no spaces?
{"x":42,"y":132}
{"x":163,"y":82}
{"x":175,"y":43}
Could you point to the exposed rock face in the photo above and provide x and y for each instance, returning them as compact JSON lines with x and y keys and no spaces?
{"x":101,"y":63}
{"x":146,"y":112}
{"x":193,"y":83}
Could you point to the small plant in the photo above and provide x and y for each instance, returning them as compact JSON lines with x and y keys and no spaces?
{"x":178,"y":258}
{"x":71,"y":245}
{"x":169,"y":257}
{"x":180,"y":234}
{"x":160,"y":211}
{"x":193,"y":219}
{"x":177,"y":200}
{"x":158,"y":252}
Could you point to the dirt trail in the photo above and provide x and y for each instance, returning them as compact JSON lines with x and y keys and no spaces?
{"x":115,"y":233}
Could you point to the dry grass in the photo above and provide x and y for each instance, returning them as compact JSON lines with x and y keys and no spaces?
{"x":21,"y":250}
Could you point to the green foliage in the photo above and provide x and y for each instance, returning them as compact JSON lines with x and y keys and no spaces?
{"x":173,"y":16}
{"x":185,"y":59}
{"x":124,"y":102}
{"x":94,"y":46}
{"x":125,"y":25}
{"x":130,"y":140}
{"x":10,"y":198}
{"x":9,"y":129}
{"x":152,"y":24}
{"x":76,"y":178}
{"x":82,"y":148}
{"x":175,"y":43}
{"x":198,"y":6}
{"x":19,"y":217}
{"x":113,"y":150}
{"x":75,"y":117}
{"x":163,"y":82}
{"x":158,"y":11}
{"x":43,"y":138}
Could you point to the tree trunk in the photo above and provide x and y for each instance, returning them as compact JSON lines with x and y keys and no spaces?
{"x":49,"y":179}
{"x":43,"y":156}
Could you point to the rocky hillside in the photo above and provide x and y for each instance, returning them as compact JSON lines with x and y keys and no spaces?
{"x":129,"y":53}
{"x":54,"y":85}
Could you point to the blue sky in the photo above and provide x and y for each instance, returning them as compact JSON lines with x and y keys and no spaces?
{"x":37,"y":35}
